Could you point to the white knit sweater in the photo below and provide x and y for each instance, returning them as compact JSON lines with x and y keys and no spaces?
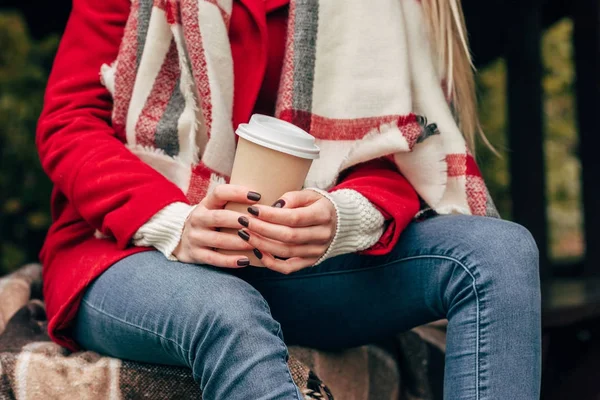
{"x":359,"y":225}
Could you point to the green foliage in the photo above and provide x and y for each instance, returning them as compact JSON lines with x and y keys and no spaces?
{"x":491,"y":83}
{"x":24,"y":188}
{"x":562,"y":164}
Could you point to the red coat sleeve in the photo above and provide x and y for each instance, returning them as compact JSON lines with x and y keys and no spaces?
{"x":111,"y":188}
{"x":381,"y":183}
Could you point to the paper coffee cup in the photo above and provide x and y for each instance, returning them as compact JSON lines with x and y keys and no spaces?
{"x":272,"y":158}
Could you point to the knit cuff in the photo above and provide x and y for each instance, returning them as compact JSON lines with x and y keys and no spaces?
{"x":163,"y":231}
{"x":359,"y":223}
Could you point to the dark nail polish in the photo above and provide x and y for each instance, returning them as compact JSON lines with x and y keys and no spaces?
{"x":244,"y":235}
{"x":253,"y":210}
{"x":243,"y":262}
{"x":243,"y":221}
{"x":257,"y":253}
{"x":253,"y":196}
{"x":279,"y":203}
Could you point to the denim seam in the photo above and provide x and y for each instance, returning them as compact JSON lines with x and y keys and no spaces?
{"x":276,"y":332}
{"x":477,"y":323}
{"x":135,"y":326}
{"x":287,"y":366}
{"x":421,"y":256}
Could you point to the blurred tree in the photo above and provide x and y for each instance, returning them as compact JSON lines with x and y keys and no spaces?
{"x":24,"y":188}
{"x":563,"y":167}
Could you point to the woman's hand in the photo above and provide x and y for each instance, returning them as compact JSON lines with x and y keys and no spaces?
{"x":299,"y":228}
{"x":200,"y":235}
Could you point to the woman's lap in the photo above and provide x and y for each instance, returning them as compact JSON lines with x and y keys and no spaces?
{"x":477,"y":268}
{"x":348,"y":293}
{"x":480,"y":273}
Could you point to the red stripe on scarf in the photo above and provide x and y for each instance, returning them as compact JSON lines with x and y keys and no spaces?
{"x":457,"y":164}
{"x":171,"y":9}
{"x":465,"y":165}
{"x":472,"y":168}
{"x":126,"y":72}
{"x":462,"y":164}
{"x":159,"y":97}
{"x":351,"y":129}
{"x":476,"y":195}
{"x":195,"y":46}
{"x":199,"y":183}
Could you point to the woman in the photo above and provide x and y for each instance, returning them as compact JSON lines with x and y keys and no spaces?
{"x":130,"y":267}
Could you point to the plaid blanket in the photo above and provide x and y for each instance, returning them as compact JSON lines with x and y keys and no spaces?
{"x":33,"y":367}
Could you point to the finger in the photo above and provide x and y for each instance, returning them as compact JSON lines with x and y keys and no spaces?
{"x":211,"y":257}
{"x":319,"y":234}
{"x":295,"y":199}
{"x":315,"y":214}
{"x":215,"y":219}
{"x":280,"y":249}
{"x":222,"y":194}
{"x":219,"y":240}
{"x":287,"y":266}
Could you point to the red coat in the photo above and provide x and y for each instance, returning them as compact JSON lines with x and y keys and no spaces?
{"x":100,"y":184}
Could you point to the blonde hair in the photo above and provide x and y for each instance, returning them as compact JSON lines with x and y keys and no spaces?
{"x":446,"y":23}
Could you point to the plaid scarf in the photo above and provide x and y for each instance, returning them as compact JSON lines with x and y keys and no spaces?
{"x":355,"y":76}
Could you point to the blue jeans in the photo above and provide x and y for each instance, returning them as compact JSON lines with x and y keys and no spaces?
{"x":228,"y":325}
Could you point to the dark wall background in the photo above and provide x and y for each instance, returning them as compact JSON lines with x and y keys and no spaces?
{"x":487,"y":21}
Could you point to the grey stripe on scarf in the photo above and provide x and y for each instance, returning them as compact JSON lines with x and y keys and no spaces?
{"x":306,"y":23}
{"x":144,"y":13}
{"x":167,"y":135}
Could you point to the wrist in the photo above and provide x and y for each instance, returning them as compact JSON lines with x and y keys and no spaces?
{"x":165,"y":229}
{"x":359,"y":224}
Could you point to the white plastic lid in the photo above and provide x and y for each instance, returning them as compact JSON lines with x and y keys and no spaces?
{"x":279,"y":135}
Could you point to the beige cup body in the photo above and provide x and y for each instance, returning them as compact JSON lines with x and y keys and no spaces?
{"x":268,"y":172}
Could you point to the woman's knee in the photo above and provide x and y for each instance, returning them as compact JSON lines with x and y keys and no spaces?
{"x":509,"y":267}
{"x":513,"y":252}
{"x":239,"y":307}
{"x":235,"y":324}
{"x":235,"y":314}
{"x":499,"y":259}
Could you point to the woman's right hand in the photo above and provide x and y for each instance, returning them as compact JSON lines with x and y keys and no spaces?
{"x":200,"y":236}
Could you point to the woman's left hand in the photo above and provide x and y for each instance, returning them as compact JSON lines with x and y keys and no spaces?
{"x":299,"y":228}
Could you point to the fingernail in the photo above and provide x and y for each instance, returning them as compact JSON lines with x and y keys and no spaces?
{"x":244,"y":235}
{"x":243,"y":221}
{"x":257,"y":253}
{"x":279,"y":203}
{"x":253,"y":210}
{"x":243,"y":262}
{"x":253,"y":196}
